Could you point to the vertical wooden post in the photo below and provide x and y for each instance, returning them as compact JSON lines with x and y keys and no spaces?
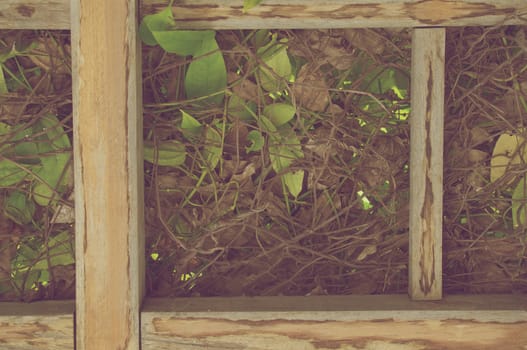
{"x":108,"y":173}
{"x":426,"y":164}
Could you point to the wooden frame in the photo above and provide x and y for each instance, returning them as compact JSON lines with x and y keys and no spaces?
{"x":108,"y":150}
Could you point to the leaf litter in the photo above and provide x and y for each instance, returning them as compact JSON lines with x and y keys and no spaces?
{"x":240,"y":233}
{"x":344,"y":229}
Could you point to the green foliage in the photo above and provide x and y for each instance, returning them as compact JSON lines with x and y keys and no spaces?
{"x":257,"y":141}
{"x":9,"y":53}
{"x":34,"y":258}
{"x":19,"y":208}
{"x":168,"y":153}
{"x":42,"y":160}
{"x":275,"y":69}
{"x":238,"y":108}
{"x":279,"y":113}
{"x":519,"y":203}
{"x":249,"y":4}
{"x":206,"y":76}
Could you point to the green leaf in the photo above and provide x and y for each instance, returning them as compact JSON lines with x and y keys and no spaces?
{"x":275,"y":69}
{"x":28,"y":151}
{"x":188,"y":122}
{"x":257,"y":141}
{"x":293,"y":181}
{"x":10,"y":173}
{"x":169,"y":153}
{"x":3,"y":84}
{"x":157,"y":22}
{"x":184,"y":42}
{"x":207,"y":74}
{"x":510,"y":150}
{"x":158,"y":29}
{"x":52,"y":176}
{"x":190,"y":127}
{"x":261,"y":38}
{"x":59,"y":251}
{"x":212,"y":151}
{"x":19,"y":208}
{"x":241,"y":109}
{"x":283,"y":150}
{"x":519,"y":203}
{"x":279,"y":113}
{"x":4,"y":129}
{"x":55,"y":132}
{"x":249,"y":4}
{"x":266,"y":125}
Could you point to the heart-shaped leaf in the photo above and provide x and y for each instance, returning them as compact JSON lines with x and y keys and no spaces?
{"x":510,"y":150}
{"x":279,"y":113}
{"x":207,"y":74}
{"x":169,"y":153}
{"x":275,"y":68}
{"x":293,"y":181}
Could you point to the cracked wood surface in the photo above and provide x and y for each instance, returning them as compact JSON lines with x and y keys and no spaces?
{"x":426,"y":164}
{"x":228,"y":14}
{"x":389,"y":322}
{"x":107,"y":126}
{"x":46,"y":325}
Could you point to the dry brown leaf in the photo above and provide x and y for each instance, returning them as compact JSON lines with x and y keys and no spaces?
{"x":50,"y":56}
{"x":477,"y":156}
{"x":478,"y":136}
{"x":311,"y":89}
{"x":365,"y":39}
{"x":243,"y":87}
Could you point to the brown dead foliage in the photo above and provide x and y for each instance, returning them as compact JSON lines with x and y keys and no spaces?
{"x":239,"y":237}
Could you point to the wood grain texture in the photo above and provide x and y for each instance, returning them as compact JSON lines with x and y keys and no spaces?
{"x":426,"y":164}
{"x":228,"y":14}
{"x":34,"y":14}
{"x":342,"y":322}
{"x":44,"y":325}
{"x":108,"y":173}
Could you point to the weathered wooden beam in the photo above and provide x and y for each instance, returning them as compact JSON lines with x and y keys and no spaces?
{"x":34,"y":14}
{"x":46,"y":325}
{"x":350,"y":322}
{"x":426,"y":164}
{"x":108,"y":138}
{"x":228,"y":14}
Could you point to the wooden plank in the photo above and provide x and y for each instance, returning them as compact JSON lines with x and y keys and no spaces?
{"x":46,"y":325}
{"x":34,"y":14}
{"x":108,"y":173}
{"x":228,"y":14}
{"x":336,"y":322}
{"x":426,"y":164}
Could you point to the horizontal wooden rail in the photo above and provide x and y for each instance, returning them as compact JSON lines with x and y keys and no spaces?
{"x":46,"y":325}
{"x":456,"y":322}
{"x":34,"y":14}
{"x":350,"y":322}
{"x":228,"y":14}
